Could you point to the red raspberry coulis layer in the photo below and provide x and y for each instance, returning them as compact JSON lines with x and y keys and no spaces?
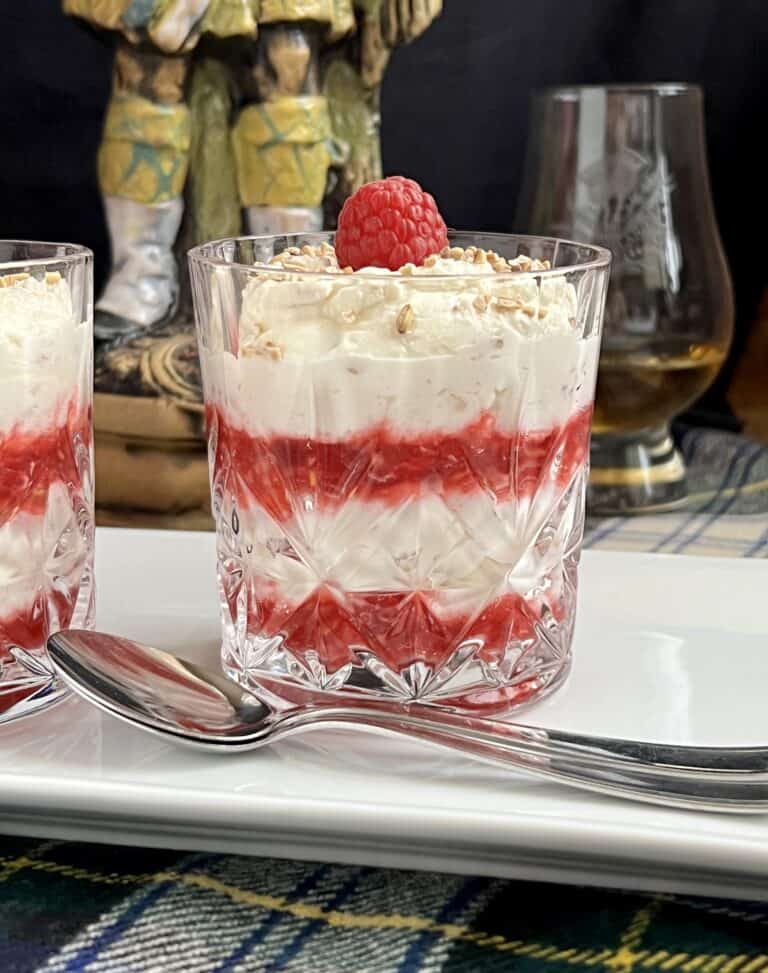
{"x":397,"y":627}
{"x":400,"y":628}
{"x":278,"y":472}
{"x":30,"y":464}
{"x":30,"y":626}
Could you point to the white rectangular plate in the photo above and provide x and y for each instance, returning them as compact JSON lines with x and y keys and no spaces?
{"x":668,"y":648}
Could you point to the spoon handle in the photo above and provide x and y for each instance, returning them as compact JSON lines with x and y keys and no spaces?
{"x":721,"y":779}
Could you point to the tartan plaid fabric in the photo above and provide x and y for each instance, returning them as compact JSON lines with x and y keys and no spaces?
{"x":66,"y":908}
{"x":727,"y":515}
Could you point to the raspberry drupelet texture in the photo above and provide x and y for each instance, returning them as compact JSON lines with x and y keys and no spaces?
{"x":387,"y":224}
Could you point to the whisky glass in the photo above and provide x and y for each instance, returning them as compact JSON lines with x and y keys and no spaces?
{"x":625,"y":167}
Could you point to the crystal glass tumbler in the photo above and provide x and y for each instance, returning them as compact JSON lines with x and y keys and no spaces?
{"x":625,"y":167}
{"x":46,"y":466}
{"x":398,"y":462}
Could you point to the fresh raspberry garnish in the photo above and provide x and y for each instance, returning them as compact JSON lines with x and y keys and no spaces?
{"x":387,"y":224}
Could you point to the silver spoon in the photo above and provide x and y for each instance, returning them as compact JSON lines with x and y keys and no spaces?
{"x":188,"y":704}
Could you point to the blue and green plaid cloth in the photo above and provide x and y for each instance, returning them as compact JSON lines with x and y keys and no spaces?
{"x":66,"y":908}
{"x":727,"y":512}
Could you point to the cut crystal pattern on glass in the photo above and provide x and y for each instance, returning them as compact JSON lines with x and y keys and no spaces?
{"x":399,"y":514}
{"x":479,"y":591}
{"x":499,"y":635}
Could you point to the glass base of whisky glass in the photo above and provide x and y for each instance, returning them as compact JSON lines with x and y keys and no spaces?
{"x":636,"y":472}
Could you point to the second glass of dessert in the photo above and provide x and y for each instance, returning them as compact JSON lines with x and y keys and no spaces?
{"x":398,"y":462}
{"x":46,"y":465}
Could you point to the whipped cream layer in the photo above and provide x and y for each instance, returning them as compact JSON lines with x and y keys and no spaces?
{"x":33,"y":556}
{"x":461,"y":543}
{"x":45,"y":354}
{"x":328,"y":354}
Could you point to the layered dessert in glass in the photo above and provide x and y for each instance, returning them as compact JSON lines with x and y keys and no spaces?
{"x":46,"y":495}
{"x":398,"y":462}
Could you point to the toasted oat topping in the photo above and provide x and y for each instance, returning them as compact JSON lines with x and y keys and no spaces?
{"x":314,"y":259}
{"x":521,"y":264}
{"x":405,"y":320}
{"x":10,"y":280}
{"x":322,"y":259}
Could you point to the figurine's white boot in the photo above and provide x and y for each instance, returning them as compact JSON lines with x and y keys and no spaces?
{"x":143,"y":286}
{"x":273,"y":220}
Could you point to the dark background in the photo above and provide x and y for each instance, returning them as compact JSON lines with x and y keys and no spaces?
{"x":455,"y":110}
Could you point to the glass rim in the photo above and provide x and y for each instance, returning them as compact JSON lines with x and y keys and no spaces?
{"x":600,"y":259}
{"x":77,"y":254}
{"x":664,"y":88}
